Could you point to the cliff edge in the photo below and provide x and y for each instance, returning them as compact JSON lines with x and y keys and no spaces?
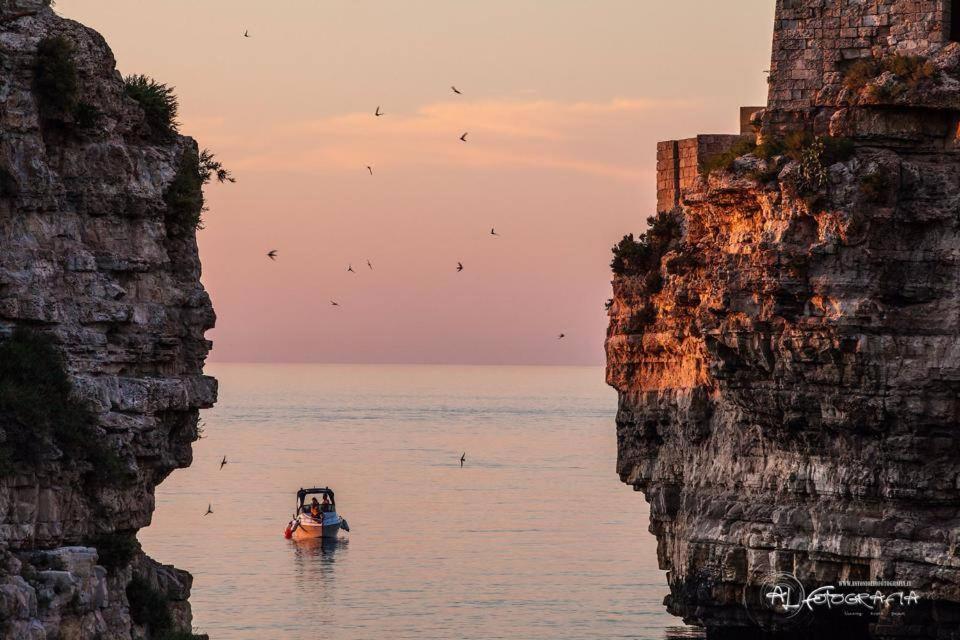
{"x":102,"y":321}
{"x":786,"y":340}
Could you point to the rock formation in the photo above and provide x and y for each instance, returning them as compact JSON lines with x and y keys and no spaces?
{"x":99,"y":275}
{"x":786,"y":342}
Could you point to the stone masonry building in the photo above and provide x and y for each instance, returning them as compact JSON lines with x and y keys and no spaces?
{"x":815,"y":40}
{"x":679,"y":161}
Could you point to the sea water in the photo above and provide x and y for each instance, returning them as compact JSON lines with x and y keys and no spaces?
{"x":534,"y":537}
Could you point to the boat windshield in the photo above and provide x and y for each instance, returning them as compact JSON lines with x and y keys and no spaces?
{"x":323,"y":496}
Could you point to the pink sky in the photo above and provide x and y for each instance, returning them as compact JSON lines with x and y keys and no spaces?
{"x":564,"y":101}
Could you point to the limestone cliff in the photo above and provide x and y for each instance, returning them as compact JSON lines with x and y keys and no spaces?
{"x":786,"y":346}
{"x":99,"y":270}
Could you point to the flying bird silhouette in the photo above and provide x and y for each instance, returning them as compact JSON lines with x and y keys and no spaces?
{"x":463,"y":138}
{"x":272,"y":254}
{"x":370,"y":169}
{"x":350,"y":268}
{"x":463,"y":459}
{"x":370,"y":264}
{"x":335,"y":303}
{"x":209,"y":510}
{"x":493,"y":231}
{"x":223,"y":462}
{"x":455,"y":90}
{"x":377,"y":112}
{"x":459,"y":267}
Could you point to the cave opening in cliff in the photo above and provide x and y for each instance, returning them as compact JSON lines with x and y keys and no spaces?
{"x":953,"y":9}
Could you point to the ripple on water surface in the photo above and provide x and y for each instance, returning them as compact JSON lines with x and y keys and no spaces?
{"x":534,"y":538}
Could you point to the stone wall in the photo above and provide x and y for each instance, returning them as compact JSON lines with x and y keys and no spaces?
{"x":679,"y":162}
{"x":815,"y":40}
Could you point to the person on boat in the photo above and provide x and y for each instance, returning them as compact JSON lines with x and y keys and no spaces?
{"x":326,"y":506}
{"x":315,"y":509}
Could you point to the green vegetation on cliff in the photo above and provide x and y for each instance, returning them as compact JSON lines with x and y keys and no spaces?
{"x":909,"y":72}
{"x":56,"y":85}
{"x":641,"y":256}
{"x":151,"y":609}
{"x":159,"y":104}
{"x":40,"y":417}
{"x":795,"y":146}
{"x":184,"y":196}
{"x":56,"y":82}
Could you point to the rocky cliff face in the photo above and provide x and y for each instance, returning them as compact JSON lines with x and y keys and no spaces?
{"x":101,"y":263}
{"x":789,"y":366}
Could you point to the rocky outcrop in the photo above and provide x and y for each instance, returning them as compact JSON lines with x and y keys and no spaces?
{"x":789,"y":368}
{"x":97,"y":258}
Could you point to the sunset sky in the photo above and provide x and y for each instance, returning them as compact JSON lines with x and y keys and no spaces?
{"x":563,"y":100}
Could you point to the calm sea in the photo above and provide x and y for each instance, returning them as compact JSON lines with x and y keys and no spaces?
{"x":534,"y":538}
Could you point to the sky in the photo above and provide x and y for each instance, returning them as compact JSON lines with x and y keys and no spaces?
{"x":564,"y":101}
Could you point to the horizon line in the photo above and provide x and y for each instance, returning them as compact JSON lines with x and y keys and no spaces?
{"x":415,"y":364}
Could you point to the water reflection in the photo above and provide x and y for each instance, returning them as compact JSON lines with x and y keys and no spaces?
{"x":317,"y":548}
{"x":684,"y":633}
{"x":314,"y":562}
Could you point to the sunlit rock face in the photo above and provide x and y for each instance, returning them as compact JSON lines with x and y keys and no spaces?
{"x":91,"y":254}
{"x":790,"y":397}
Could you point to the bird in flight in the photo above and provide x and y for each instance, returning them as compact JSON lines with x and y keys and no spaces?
{"x":223,"y":462}
{"x":493,"y":231}
{"x":463,"y":459}
{"x":370,"y":264}
{"x":209,"y":510}
{"x":459,"y":267}
{"x":377,"y":112}
{"x":456,"y":91}
{"x":463,"y":138}
{"x":370,"y":169}
{"x":272,"y":254}
{"x":561,"y":336}
{"x":246,"y":34}
{"x":335,"y":303}
{"x":350,"y":268}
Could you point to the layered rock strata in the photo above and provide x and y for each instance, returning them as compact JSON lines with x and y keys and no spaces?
{"x":95,"y":257}
{"x":789,"y":370}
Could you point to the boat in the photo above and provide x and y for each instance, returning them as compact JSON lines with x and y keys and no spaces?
{"x":327,"y":524}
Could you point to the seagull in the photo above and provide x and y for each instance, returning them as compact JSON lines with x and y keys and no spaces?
{"x":561,"y":336}
{"x":272,"y":254}
{"x":463,"y":459}
{"x":335,"y":303}
{"x":493,"y":231}
{"x":350,"y":268}
{"x":209,"y":510}
{"x":463,"y":138}
{"x":370,"y":264}
{"x":377,"y":112}
{"x":370,"y":169}
{"x":459,"y":267}
{"x":456,"y":91}
{"x":223,"y":462}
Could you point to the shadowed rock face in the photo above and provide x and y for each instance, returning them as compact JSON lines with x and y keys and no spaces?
{"x":793,"y":403}
{"x":92,"y":256}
